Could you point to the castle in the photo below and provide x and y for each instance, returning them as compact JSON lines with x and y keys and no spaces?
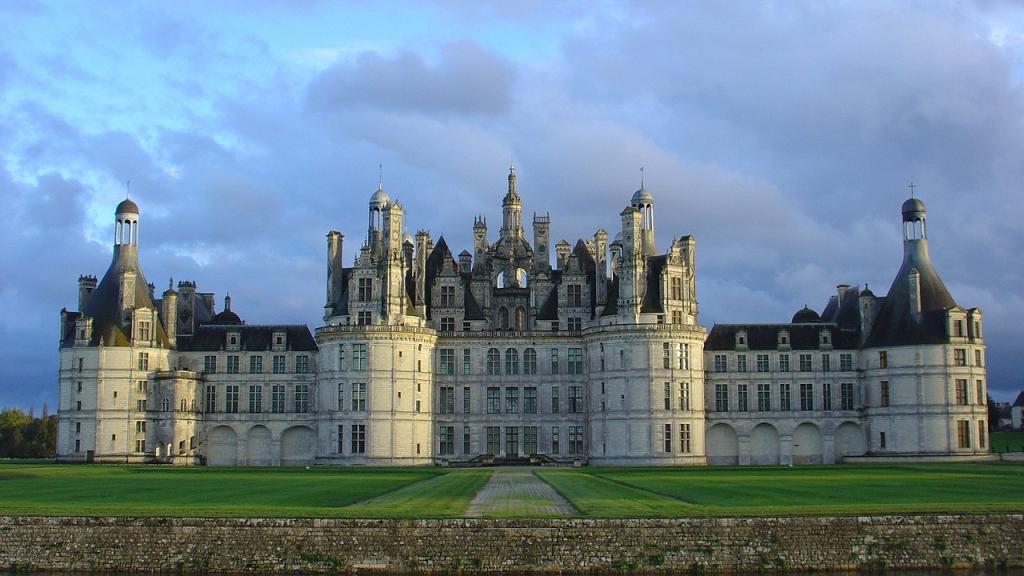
{"x":502,"y":353}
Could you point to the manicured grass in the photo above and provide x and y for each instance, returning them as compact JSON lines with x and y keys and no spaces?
{"x":807,"y":490}
{"x":1008,"y":441}
{"x":443,"y":496}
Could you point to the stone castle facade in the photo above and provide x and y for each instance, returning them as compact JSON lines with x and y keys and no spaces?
{"x":590,"y":354}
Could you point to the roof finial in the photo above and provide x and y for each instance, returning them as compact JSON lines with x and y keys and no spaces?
{"x":170,"y":282}
{"x":380,"y":176}
{"x":127,"y":188}
{"x":641,"y":177}
{"x":912,"y":187}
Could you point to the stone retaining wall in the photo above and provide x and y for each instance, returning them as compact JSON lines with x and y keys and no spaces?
{"x":693,"y":545}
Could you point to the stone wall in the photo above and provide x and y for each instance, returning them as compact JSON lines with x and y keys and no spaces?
{"x":695,"y":545}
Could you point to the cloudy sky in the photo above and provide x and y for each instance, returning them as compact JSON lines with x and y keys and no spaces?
{"x":782,"y":135}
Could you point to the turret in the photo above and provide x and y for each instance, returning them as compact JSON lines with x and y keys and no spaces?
{"x":378,"y":201}
{"x":479,"y":242}
{"x":600,"y":263}
{"x":643,"y":202}
{"x":86,"y":286}
{"x":511,"y":209}
{"x":542,"y":240}
{"x":334,"y":266}
{"x":394,"y":265}
{"x":170,"y":312}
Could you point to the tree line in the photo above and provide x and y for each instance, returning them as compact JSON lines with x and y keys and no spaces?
{"x":25,"y":436}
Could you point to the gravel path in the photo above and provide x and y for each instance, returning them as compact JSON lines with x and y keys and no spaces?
{"x":518,"y":492}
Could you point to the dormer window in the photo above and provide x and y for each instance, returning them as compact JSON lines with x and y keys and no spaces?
{"x":280,"y":341}
{"x":783,"y":339}
{"x":234,"y":340}
{"x":741,"y":339}
{"x":958,"y":328}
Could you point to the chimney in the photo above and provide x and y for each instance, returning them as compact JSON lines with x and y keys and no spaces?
{"x":334,"y":266}
{"x":86,"y":286}
{"x":465,"y":261}
{"x":562,"y":254}
{"x":170,"y":314}
{"x":867,"y":313}
{"x":914,"y":288}
{"x":841,"y":292}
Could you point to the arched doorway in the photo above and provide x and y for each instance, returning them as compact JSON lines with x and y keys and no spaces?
{"x":222,"y":447}
{"x":298,"y":446}
{"x":764,"y":444}
{"x":722,"y":445}
{"x":807,"y":445}
{"x":258,"y":447}
{"x":848,"y":441}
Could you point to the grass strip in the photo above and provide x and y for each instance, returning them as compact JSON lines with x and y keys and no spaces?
{"x":444,"y":496}
{"x":597,"y":497}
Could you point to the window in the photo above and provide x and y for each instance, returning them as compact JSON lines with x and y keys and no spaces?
{"x":554,"y":360}
{"x":466,"y":364}
{"x":684,"y":438}
{"x":277,"y":398}
{"x":255,"y":399}
{"x":742,"y":400}
{"x":963,"y":433}
{"x":446,"y":361}
{"x":683,"y":356}
{"x":359,"y":356}
{"x":144,"y":330}
{"x":255,"y":364}
{"x":341,"y":396}
{"x":210,"y":364}
{"x":883,"y":393}
{"x":232,"y":364}
{"x":511,"y":440}
{"x":676,"y":288}
{"x":511,"y":400}
{"x":446,"y":444}
{"x":530,"y":401}
{"x":554,"y":400}
{"x":668,"y":396}
{"x":211,"y":399}
{"x":554,"y":440}
{"x":493,"y":440}
{"x":806,"y":396}
{"x":881,"y":439}
{"x":575,"y":439}
{"x":359,"y":438}
{"x":302,"y":398}
{"x":466,"y":405}
{"x":721,"y":398}
{"x":981,"y":433}
{"x":530,"y":439}
{"x":359,"y":397}
{"x":666,"y":355}
{"x":764,"y":397}
{"x":826,"y":396}
{"x":979,"y":389}
{"x":576,"y":399}
{"x":741,"y":363}
{"x":446,"y":400}
{"x":465,"y":439}
{"x":958,"y":328}
{"x":447,"y":296}
{"x":277,"y":366}
{"x":574,"y":324}
{"x":783,"y":362}
{"x":231,"y":399}
{"x":341,"y":438}
{"x":846,"y":396}
{"x":961,"y":392}
{"x":302,"y":364}
{"x":143,"y":363}
{"x":826,"y":362}
{"x":493,"y":361}
{"x":668,"y":437}
{"x":81,"y":364}
{"x":959,"y":357}
{"x":529,"y":361}
{"x":364,"y":318}
{"x":493,"y":400}
{"x":846,"y":362}
{"x":466,"y":326}
{"x":365,"y":290}
{"x":720,"y":363}
{"x":165,"y":405}
{"x":883,"y":359}
{"x":341,"y":357}
{"x":575,"y":361}
{"x":805,"y":362}
{"x":677,"y":316}
{"x":511,"y":361}
{"x":977,"y":357}
{"x":574,"y":292}
{"x":785,"y":398}
{"x":684,"y":396}
{"x":762,"y":362}
{"x":447,"y":324}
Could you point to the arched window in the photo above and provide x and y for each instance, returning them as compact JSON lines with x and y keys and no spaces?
{"x":499,"y":282}
{"x":529,"y":361}
{"x":511,"y":361}
{"x":521,"y":278}
{"x":493,"y":361}
{"x":503,"y":318}
{"x":165,"y":405}
{"x":520,"y":318}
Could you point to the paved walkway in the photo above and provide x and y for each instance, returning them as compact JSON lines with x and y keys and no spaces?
{"x":517,"y":492}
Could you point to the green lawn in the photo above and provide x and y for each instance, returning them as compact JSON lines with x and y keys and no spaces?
{"x":1008,"y":441}
{"x":443,"y":496}
{"x":807,"y":490}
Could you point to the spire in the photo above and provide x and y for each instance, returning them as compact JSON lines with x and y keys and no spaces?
{"x":511,"y":194}
{"x":227,"y":303}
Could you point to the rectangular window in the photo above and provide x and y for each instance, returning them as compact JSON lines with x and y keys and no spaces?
{"x":575,"y":361}
{"x":676,"y":288}
{"x":575,"y":295}
{"x":684,"y":438}
{"x":341,"y":357}
{"x":783,"y":362}
{"x":684,"y":396}
{"x":232,"y":364}
{"x":826,"y":396}
{"x":806,"y":396}
{"x":364,"y":318}
{"x":720,"y":363}
{"x":530,"y":439}
{"x":210,"y":364}
{"x":446,"y":440}
{"x":883,"y":359}
{"x":144,"y":330}
{"x":466,"y":364}
{"x":762,"y":362}
{"x":341,"y":396}
{"x":764,"y":397}
{"x":447,"y":296}
{"x":446,"y":400}
{"x":554,"y":440}
{"x":302,"y":364}
{"x":447,"y":324}
{"x":530,"y":401}
{"x":958,"y":328}
{"x":826,"y":362}
{"x":574,"y":324}
{"x":467,"y":406}
{"x":493,"y":362}
{"x":742,"y":399}
{"x":575,"y":439}
{"x":677,"y":316}
{"x":683,"y":356}
{"x":446,"y":362}
{"x":278,"y":364}
{"x":881,"y":439}
{"x":883,"y":393}
{"x":963,"y":433}
{"x":493,"y":400}
{"x":846,"y":396}
{"x":960,"y":357}
{"x":359,"y":439}
{"x":359,"y":355}
{"x":341,"y":438}
{"x":785,"y":400}
{"x":977,"y":357}
{"x":511,"y":361}
{"x":721,"y":398}
{"x":741,"y":363}
{"x":143,"y":363}
{"x":846,"y":362}
{"x":493,"y":440}
{"x":511,"y":400}
{"x":979,"y":389}
{"x":255,"y":399}
{"x":555,"y":408}
{"x":211,"y":400}
{"x":465,"y":440}
{"x":231,"y":399}
{"x":666,"y":355}
{"x":277,"y":398}
{"x":668,"y":396}
{"x":359,"y":397}
{"x":576,"y":399}
{"x":255,"y":364}
{"x":961,"y":392}
{"x":554,"y":360}
{"x":529,"y":361}
{"x":301,"y":398}
{"x":511,"y":440}
{"x":668,"y":437}
{"x":805,"y":362}
{"x":981,"y":433}
{"x":365,"y":290}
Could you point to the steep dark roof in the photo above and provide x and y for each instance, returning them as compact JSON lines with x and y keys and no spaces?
{"x":549,"y":309}
{"x":104,"y":307}
{"x":765,"y":336}
{"x":586,"y":261}
{"x":612,"y":307}
{"x":471,"y":309}
{"x":435,"y":261}
{"x":845,"y":312}
{"x":652,"y":297}
{"x":254,"y":338}
{"x":1020,"y":399}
